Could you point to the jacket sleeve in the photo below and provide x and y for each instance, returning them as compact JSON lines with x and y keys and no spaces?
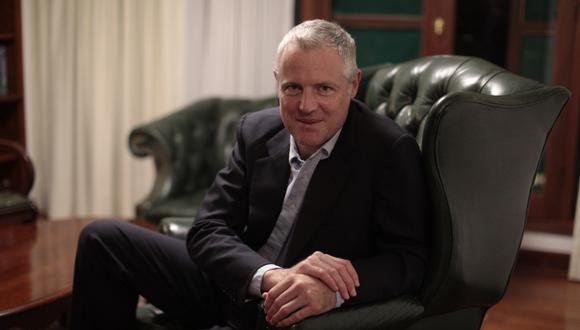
{"x":399,"y":218}
{"x":214,"y":242}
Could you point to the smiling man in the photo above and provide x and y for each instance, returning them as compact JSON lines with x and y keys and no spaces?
{"x":321,"y":205}
{"x":323,"y":200}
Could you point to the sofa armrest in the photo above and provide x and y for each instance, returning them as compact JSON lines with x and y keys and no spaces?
{"x":396,"y":313}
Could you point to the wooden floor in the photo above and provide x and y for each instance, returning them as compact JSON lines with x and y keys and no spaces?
{"x":539,"y":296}
{"x":537,"y":299}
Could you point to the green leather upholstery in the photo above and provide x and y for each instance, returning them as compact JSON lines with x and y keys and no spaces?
{"x":482,"y":131}
{"x":189,"y":147}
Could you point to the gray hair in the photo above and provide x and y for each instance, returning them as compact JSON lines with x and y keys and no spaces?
{"x":319,"y":33}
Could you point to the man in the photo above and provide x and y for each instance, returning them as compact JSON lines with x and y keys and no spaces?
{"x":321,"y":204}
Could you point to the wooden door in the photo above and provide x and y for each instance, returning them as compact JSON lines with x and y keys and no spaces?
{"x":544,"y":45}
{"x":389,"y":31}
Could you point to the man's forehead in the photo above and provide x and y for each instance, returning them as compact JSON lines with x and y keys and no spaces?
{"x":296,"y":48}
{"x":311,"y":59}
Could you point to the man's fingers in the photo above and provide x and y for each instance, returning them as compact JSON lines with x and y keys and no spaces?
{"x":274,"y":292}
{"x":343,"y":269}
{"x":322,"y":272}
{"x":338,"y":274}
{"x":304,"y":292}
{"x":285,"y":310}
{"x":349,"y":268}
{"x":282,"y":300}
{"x":297,"y":316}
{"x":344,"y":265}
{"x":332,"y":274}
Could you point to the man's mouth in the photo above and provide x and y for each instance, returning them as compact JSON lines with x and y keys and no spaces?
{"x":308,"y":121}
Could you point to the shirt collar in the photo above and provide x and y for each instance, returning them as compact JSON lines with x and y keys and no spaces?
{"x":325,"y":150}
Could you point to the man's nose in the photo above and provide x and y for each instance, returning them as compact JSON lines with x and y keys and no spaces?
{"x":308,"y":102}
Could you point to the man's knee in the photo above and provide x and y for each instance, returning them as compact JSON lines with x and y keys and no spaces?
{"x":99,"y":231}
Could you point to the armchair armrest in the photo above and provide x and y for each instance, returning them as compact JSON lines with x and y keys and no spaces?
{"x":188,"y":149}
{"x":176,"y":226}
{"x":396,"y":313}
{"x":172,"y":142}
{"x":163,"y":140}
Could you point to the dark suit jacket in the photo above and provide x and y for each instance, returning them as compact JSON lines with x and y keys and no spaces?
{"x":365,"y":203}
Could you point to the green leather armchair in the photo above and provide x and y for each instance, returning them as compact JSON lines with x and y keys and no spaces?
{"x":481,"y":130}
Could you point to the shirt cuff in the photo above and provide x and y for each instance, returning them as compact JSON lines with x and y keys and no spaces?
{"x":255,"y":288}
{"x":339,"y":300}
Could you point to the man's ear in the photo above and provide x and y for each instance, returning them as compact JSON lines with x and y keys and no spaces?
{"x":355,"y":82}
{"x":275,"y":72}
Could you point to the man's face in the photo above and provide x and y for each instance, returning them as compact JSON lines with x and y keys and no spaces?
{"x":314,"y":95}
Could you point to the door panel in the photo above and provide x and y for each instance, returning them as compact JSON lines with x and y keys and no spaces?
{"x":541,"y":47}
{"x":390,"y":31}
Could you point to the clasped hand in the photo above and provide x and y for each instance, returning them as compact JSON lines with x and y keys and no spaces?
{"x":308,"y":288}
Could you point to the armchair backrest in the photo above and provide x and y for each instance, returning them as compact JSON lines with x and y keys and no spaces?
{"x":190,"y":146}
{"x":482,"y":131}
{"x":214,"y":123}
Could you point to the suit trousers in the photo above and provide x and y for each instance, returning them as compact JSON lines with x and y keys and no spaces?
{"x":118,"y":261}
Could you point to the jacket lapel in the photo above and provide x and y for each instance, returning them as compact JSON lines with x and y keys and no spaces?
{"x":324,"y":188}
{"x":267,"y":189}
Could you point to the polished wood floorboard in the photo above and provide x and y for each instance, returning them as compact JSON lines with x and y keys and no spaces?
{"x":537,"y":299}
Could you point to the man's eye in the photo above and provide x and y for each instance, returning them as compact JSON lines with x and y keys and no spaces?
{"x":291,"y":90}
{"x":325,"y":90}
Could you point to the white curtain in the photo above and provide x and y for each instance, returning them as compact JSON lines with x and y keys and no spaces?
{"x":96,"y":68}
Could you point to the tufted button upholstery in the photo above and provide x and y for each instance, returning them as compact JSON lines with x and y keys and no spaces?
{"x":406,"y":92}
{"x":189,"y":147}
